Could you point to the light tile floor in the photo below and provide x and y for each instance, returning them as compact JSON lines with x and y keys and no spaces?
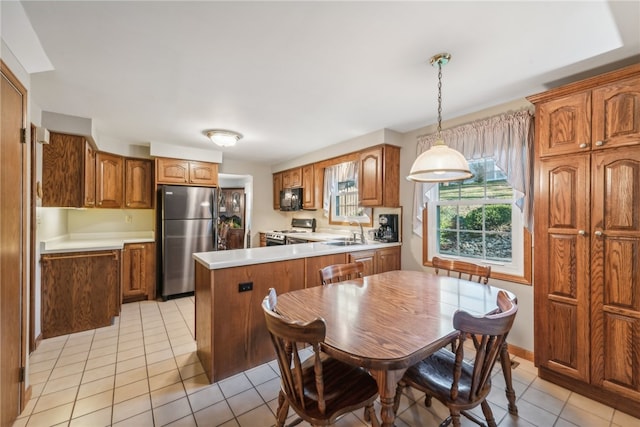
{"x":143,"y":371}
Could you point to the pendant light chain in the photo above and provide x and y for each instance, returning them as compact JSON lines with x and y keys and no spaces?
{"x":439,"y":98}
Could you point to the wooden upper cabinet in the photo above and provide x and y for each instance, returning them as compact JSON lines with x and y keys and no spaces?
{"x":186,"y":172}
{"x":68,"y":172}
{"x":617,"y":106}
{"x":109,"y":180}
{"x":308,"y":188}
{"x":89,"y":181}
{"x":292,"y":178}
{"x":203,"y":173}
{"x":564,"y":124}
{"x":379,"y":176}
{"x":138,"y":188}
{"x":277,"y":187}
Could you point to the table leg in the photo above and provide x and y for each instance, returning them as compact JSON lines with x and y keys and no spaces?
{"x":387,"y":384}
{"x":505,"y":361}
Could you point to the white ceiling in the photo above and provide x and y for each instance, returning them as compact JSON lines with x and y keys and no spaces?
{"x":294,"y":77}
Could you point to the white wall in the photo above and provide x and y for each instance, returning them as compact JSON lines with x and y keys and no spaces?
{"x":109,"y":220}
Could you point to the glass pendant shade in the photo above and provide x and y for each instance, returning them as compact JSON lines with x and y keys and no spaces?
{"x":440,"y":164}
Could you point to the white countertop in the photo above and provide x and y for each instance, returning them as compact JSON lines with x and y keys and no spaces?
{"x":239,"y":257}
{"x":80,"y":242}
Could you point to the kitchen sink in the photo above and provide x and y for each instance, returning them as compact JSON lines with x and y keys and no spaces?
{"x":342,"y":243}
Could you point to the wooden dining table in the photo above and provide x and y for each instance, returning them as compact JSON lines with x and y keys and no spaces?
{"x":388,"y":321}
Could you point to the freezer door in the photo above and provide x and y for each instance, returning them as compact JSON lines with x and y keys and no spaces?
{"x":180,"y":202}
{"x":181,"y":238}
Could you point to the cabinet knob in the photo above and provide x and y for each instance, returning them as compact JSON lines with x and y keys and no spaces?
{"x":582,"y":232}
{"x":599,"y":143}
{"x":583,"y":145}
{"x":598,"y":233}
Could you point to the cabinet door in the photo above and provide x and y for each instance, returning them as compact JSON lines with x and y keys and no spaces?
{"x":62,"y":171}
{"x":563,"y":125}
{"x":388,"y":259}
{"x":562,"y":266}
{"x":308,"y":188}
{"x":172,"y":171}
{"x":368,"y":260}
{"x":616,"y":114}
{"x":615,"y":275}
{"x":89,"y":181}
{"x":314,"y":264}
{"x":277,"y":187}
{"x":109,"y":180}
{"x":79,"y":291}
{"x":370,"y":178}
{"x":203,"y":173}
{"x":295,"y":177}
{"x":235,"y":238}
{"x":138,"y":193}
{"x":138,"y":272}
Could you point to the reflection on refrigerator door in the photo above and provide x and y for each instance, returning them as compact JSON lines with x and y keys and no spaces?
{"x":181,"y":239}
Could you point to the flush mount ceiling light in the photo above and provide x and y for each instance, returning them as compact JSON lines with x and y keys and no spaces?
{"x":223,"y":138}
{"x":440,"y":163}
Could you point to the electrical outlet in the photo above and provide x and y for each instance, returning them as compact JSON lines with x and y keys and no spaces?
{"x":128,"y":219}
{"x":244,"y":287}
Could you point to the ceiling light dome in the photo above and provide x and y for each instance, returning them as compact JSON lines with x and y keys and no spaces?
{"x":223,"y":138}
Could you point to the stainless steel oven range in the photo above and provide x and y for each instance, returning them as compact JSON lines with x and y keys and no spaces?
{"x":298,"y":226}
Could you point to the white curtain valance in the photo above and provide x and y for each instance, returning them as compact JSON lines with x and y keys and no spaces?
{"x":347,"y":171}
{"x":507,"y":138}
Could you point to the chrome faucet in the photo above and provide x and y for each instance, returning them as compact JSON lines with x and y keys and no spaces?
{"x":355,"y":234}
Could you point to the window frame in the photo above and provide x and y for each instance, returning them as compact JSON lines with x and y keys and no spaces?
{"x":521,"y":245}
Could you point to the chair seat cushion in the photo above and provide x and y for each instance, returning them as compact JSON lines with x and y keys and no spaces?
{"x":434,"y":374}
{"x":345,"y":387}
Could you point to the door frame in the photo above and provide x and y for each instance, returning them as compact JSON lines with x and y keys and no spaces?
{"x":24,"y":394}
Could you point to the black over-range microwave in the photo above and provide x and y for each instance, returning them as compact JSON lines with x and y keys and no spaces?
{"x":291,"y":199}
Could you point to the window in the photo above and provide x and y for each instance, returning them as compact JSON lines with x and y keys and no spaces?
{"x":477,"y":220}
{"x":341,"y":195}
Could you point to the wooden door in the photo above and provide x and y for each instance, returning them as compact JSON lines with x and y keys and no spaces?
{"x":615,"y":276}
{"x":109,"y":180}
{"x":277,"y":187}
{"x":203,"y":173}
{"x":370,"y":178}
{"x":138,"y":272}
{"x":138,"y":192}
{"x":563,"y":125}
{"x":368,"y":260}
{"x":13,"y":98}
{"x":616,"y":112}
{"x":172,"y":171}
{"x":388,"y":259}
{"x":562,"y":266}
{"x":89,"y":181}
{"x":308,"y":188}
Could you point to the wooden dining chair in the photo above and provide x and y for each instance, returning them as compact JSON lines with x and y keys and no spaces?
{"x":319,"y":389}
{"x":456,"y":382}
{"x":340,"y":272}
{"x":478,"y":273}
{"x":462,"y":270}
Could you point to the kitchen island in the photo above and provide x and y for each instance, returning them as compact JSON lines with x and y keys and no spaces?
{"x":229,"y":287}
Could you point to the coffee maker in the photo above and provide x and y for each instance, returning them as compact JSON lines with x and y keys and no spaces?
{"x":388,"y":230}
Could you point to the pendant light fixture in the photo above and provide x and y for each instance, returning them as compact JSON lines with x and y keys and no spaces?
{"x":440,"y":163}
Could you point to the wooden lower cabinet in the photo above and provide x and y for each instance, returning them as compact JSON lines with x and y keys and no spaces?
{"x":235,"y":238}
{"x":367,"y":258}
{"x":138,"y":272}
{"x":80,"y":291}
{"x":231,"y":335}
{"x":388,"y":259}
{"x":314,"y":264}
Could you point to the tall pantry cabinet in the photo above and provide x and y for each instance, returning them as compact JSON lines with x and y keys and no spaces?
{"x":587,"y":237}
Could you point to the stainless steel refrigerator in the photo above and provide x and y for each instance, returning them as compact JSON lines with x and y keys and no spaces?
{"x":188,"y":224}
